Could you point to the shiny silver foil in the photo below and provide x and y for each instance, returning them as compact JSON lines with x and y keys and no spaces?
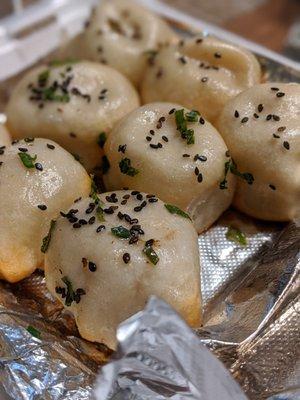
{"x":251,"y":323}
{"x":160,"y":357}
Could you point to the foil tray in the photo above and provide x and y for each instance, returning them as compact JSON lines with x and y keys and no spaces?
{"x":250,"y":300}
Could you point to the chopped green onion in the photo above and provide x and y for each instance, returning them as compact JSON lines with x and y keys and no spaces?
{"x":192,"y":116}
{"x":151,"y":254}
{"x":105,"y":165}
{"x":46,"y":240}
{"x":175,"y":210}
{"x":121,"y":232}
{"x":235,"y":235}
{"x":101,"y":139}
{"x":44,"y":76}
{"x":100,"y":214}
{"x":70,"y":296}
{"x":232,"y":167}
{"x":126,"y":168}
{"x":33,"y":331}
{"x":27,"y":159}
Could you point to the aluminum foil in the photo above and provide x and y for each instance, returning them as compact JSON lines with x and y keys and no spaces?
{"x":251,"y":322}
{"x":160,"y":357}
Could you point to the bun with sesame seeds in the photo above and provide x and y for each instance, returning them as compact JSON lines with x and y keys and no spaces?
{"x":201,"y":73}
{"x":38,"y":180}
{"x":165,"y":149}
{"x":261,"y":127}
{"x":75,"y":104}
{"x":123,"y":34}
{"x":124,"y":248}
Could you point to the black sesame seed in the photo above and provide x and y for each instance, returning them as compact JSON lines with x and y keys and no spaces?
{"x":76,"y":225}
{"x":122,"y":148}
{"x":202,"y":121}
{"x":182,"y":60}
{"x":165,"y":139}
{"x":217,"y":55}
{"x":281,"y":128}
{"x":276,"y":136}
{"x":275,"y":89}
{"x":133,"y":239}
{"x":260,"y":108}
{"x":22,"y":149}
{"x":42,"y":207}
{"x":200,"y":178}
{"x":151,"y":132}
{"x":58,"y":290}
{"x":90,"y":208}
{"x":268,"y":117}
{"x":137,"y":209}
{"x":139,"y":196}
{"x":280,"y":94}
{"x":149,"y":242}
{"x":244,"y":120}
{"x":82,"y":222}
{"x":123,"y":202}
{"x":126,"y":258}
{"x":204,"y":79}
{"x":186,"y":155}
{"x":276,"y":117}
{"x":197,"y":171}
{"x":202,"y":158}
{"x":236,"y":114}
{"x":199,"y":40}
{"x":172,"y":111}
{"x":92,"y":266}
{"x":109,"y":210}
{"x":272,"y":187}
{"x":133,"y":193}
{"x":152,"y":200}
{"x":50,"y":146}
{"x":92,"y":220}
{"x":100,"y":228}
{"x":148,"y":138}
{"x":286,"y":145}
{"x":255,"y":115}
{"x":38,"y":166}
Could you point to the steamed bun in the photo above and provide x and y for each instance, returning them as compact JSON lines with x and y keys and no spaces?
{"x":201,"y":73}
{"x":38,"y":179}
{"x":121,"y":33}
{"x":147,"y":152}
{"x":261,"y":127}
{"x":112,"y":251}
{"x":73,"y":104}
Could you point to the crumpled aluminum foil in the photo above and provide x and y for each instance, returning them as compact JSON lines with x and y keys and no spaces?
{"x":251,"y":322}
{"x":159,"y":357}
